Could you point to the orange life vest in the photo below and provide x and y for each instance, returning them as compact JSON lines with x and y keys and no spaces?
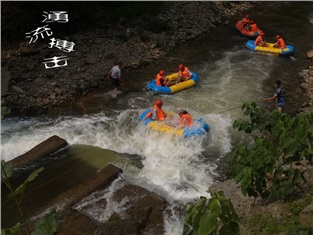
{"x":186,"y":117}
{"x":253,"y":28}
{"x":160,"y":113}
{"x":245,"y":21}
{"x":185,"y":73}
{"x":258,"y":41}
{"x":159,"y":79}
{"x":281,"y":43}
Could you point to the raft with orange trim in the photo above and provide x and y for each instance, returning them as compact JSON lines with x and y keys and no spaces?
{"x":175,"y":87}
{"x":199,"y":127}
{"x":245,"y":32}
{"x":269,"y":48}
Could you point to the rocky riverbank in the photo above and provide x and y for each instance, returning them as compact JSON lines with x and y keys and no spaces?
{"x":29,"y":89}
{"x":306,"y":84}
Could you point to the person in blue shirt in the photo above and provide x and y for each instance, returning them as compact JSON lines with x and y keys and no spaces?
{"x":279,"y":96}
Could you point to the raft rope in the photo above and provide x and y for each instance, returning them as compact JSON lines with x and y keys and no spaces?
{"x":227,"y":110}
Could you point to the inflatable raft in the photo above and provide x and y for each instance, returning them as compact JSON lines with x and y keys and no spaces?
{"x":174,"y":88}
{"x":289,"y":50}
{"x":245,"y":32}
{"x":199,"y":127}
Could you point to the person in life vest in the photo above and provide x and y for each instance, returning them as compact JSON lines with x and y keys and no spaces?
{"x":279,"y":42}
{"x":252,"y":26}
{"x":245,"y":22}
{"x":260,"y":40}
{"x":279,"y":96}
{"x":183,"y":73}
{"x":185,"y":118}
{"x":160,"y":79}
{"x":156,"y":112}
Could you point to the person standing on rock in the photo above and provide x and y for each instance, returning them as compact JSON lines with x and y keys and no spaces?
{"x":115,"y":75}
{"x":279,"y":96}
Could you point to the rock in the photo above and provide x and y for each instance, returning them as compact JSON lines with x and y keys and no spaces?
{"x":18,"y":90}
{"x":29,"y":50}
{"x":38,"y":81}
{"x":51,"y":72}
{"x":24,"y":76}
{"x":232,"y":191}
{"x":77,"y":224}
{"x":304,"y":86}
{"x":309,"y":54}
{"x":5,"y":78}
{"x":44,"y":149}
{"x":99,"y":181}
{"x":306,"y":215}
{"x":144,"y":216}
{"x":58,"y":90}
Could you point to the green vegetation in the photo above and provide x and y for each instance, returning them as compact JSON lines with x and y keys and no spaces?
{"x":45,"y":225}
{"x":213,"y":216}
{"x":287,"y":223}
{"x":266,"y":167}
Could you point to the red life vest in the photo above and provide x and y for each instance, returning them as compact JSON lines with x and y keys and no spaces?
{"x":253,"y":28}
{"x":185,"y":73}
{"x":160,"y":113}
{"x":186,"y":118}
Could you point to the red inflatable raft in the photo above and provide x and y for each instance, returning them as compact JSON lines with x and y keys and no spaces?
{"x":245,"y":32}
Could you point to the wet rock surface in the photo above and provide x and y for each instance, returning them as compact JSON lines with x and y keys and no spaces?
{"x":142,"y":214}
{"x":306,"y":88}
{"x":34,"y":90}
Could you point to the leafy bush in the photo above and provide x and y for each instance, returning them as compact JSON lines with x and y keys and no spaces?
{"x":281,"y":140}
{"x":213,"y":216}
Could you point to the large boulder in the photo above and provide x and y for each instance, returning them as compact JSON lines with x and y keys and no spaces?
{"x":144,"y":216}
{"x":306,"y":215}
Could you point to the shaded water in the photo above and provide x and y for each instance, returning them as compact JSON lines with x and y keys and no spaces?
{"x":178,"y":169}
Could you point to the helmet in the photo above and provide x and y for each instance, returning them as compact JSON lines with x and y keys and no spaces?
{"x":161,"y":72}
{"x":159,"y":103}
{"x":278,"y":37}
{"x":181,"y":66}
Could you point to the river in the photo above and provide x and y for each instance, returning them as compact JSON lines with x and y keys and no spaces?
{"x":180,"y":170}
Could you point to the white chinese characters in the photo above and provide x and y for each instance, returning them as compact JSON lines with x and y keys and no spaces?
{"x":39,"y":31}
{"x":63,"y":45}
{"x":59,"y":16}
{"x":55,"y":61}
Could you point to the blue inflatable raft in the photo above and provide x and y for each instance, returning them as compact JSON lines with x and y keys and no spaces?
{"x":269,"y":48}
{"x":174,"y":88}
{"x":199,"y":127}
